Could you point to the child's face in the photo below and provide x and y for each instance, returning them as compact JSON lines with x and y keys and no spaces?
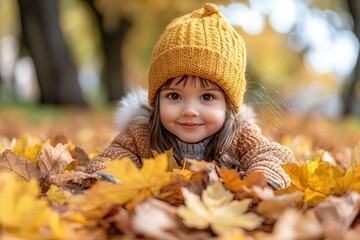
{"x":192,"y":111}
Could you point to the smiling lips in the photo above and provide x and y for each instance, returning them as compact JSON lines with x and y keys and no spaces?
{"x":190,"y":126}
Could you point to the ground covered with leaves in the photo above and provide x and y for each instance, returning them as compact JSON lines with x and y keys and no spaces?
{"x":45,"y":193}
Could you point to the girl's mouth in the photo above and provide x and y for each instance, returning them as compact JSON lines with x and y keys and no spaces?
{"x":190,"y":126}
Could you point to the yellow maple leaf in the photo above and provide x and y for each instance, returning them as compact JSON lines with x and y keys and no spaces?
{"x":317,"y":180}
{"x":172,"y":163}
{"x":22,"y":212}
{"x":28,"y":147}
{"x":56,"y":194}
{"x":217,"y":209}
{"x":135,"y":184}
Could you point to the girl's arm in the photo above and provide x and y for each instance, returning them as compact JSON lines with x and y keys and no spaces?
{"x":258,"y":154}
{"x":131,"y":143}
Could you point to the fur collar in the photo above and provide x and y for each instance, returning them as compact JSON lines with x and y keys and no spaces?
{"x":135,"y":108}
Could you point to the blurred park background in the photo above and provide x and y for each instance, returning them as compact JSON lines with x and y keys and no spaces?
{"x":302,"y":57}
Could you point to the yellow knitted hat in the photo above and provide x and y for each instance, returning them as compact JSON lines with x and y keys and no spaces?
{"x":201,"y":43}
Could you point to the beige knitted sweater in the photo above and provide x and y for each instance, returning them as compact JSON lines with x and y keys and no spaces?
{"x":255,"y":152}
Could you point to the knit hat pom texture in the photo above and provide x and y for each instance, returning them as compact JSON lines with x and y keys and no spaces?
{"x":201,"y":43}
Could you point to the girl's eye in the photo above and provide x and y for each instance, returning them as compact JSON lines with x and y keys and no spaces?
{"x":174,"y":96}
{"x":207,"y":97}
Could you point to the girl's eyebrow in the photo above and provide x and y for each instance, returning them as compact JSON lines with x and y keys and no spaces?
{"x":170,"y":88}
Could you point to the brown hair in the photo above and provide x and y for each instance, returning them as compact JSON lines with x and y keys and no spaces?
{"x":162,"y":140}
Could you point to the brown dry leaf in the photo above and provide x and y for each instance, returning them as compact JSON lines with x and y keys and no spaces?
{"x":73,"y":179}
{"x":171,"y":192}
{"x":199,"y":182}
{"x":273,"y":207}
{"x":293,"y":225}
{"x":123,"y":223}
{"x":199,"y":166}
{"x":353,"y":233}
{"x":54,"y":160}
{"x":337,"y":214}
{"x":217,"y":209}
{"x":154,"y":219}
{"x":20,"y":166}
{"x":81,"y":159}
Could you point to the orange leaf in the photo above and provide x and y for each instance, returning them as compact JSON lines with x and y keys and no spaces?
{"x":233,"y":182}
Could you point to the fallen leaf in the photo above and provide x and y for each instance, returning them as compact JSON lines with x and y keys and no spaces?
{"x":5,"y":143}
{"x":198,"y":182}
{"x":172,"y":163}
{"x":20,"y":166}
{"x":317,"y":180}
{"x":154,"y":218}
{"x":122,"y":220}
{"x":171,"y":192}
{"x":29,"y":148}
{"x":81,"y":159}
{"x":236,"y":234}
{"x":272,"y":208}
{"x":187,"y":174}
{"x":199,"y":166}
{"x":293,"y":224}
{"x":22,"y":211}
{"x":232,"y":180}
{"x":353,"y":233}
{"x":136,"y":184}
{"x":56,"y":194}
{"x":74,"y":180}
{"x":337,"y":214}
{"x":216,"y":209}
{"x":54,"y":159}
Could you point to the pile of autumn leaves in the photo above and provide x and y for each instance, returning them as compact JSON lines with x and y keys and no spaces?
{"x":45,"y":194}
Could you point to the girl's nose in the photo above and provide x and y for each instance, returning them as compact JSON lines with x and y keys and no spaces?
{"x":189,"y":109}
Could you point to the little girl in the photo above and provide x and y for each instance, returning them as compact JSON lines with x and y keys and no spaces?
{"x":194,"y":104}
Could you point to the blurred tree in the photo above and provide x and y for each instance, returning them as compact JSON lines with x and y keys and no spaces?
{"x":112,"y":39}
{"x":352,"y":99}
{"x":57,"y":74}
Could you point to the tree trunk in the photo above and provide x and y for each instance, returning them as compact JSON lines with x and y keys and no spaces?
{"x":112,"y":43}
{"x":352,"y":100}
{"x":57,"y":74}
